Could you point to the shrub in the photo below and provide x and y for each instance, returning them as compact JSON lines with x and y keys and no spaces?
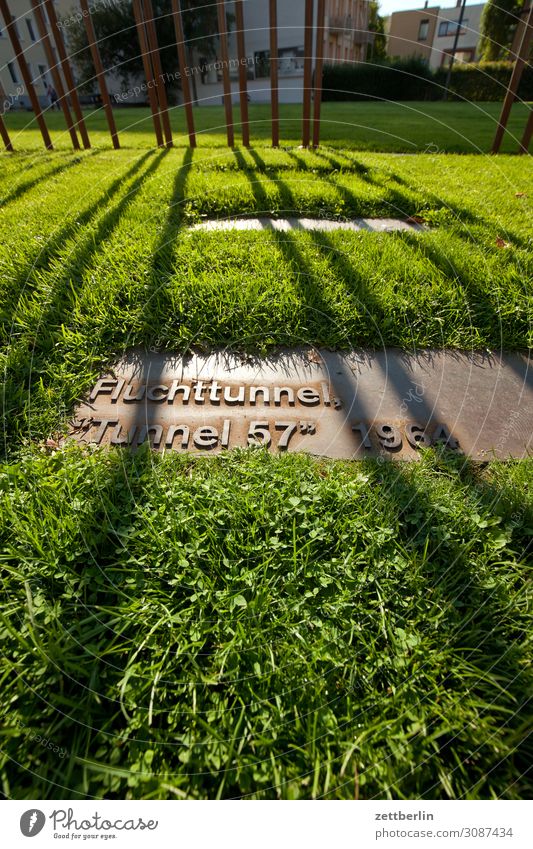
{"x":402,"y":79}
{"x":485,"y":80}
{"x":412,"y":79}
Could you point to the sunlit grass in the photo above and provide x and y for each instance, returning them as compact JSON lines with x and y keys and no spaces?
{"x":250,"y":625}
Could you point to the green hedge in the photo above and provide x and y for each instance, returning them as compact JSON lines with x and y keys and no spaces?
{"x":485,"y":81}
{"x":407,"y":79}
{"x":412,"y":79}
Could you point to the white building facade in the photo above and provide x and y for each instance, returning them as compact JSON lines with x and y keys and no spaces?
{"x":446,"y":29}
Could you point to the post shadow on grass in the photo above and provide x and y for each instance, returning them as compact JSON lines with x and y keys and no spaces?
{"x":258,"y":190}
{"x":474,"y":616}
{"x":28,"y":185}
{"x":157,"y":299}
{"x":308,"y":287}
{"x":483,"y":313}
{"x":28,"y":359}
{"x":350,"y":165}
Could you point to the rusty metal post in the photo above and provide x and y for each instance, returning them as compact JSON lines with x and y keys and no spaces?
{"x":137,"y":12}
{"x":221,"y":7}
{"x":308,"y":72}
{"x":182,"y":61}
{"x":26,"y":76}
{"x":318,"y":71}
{"x":160,"y":89}
{"x":67,"y":71}
{"x":274,"y":93}
{"x":243,"y":72}
{"x":100,"y":74}
{"x":5,"y":136}
{"x":514,"y":82}
{"x":3,"y":129}
{"x":56,"y":76}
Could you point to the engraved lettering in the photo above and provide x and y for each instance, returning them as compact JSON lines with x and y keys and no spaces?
{"x":104,"y":423}
{"x":265,"y":391}
{"x":118,"y":390}
{"x":129,"y":399}
{"x":389,"y":436}
{"x":259,"y":430}
{"x":104,"y":386}
{"x":224,"y":439}
{"x":176,"y":387}
{"x":230,"y":399}
{"x":442,"y":435}
{"x":157,"y":393}
{"x":416,"y":436}
{"x":214,"y":396}
{"x":205,"y":437}
{"x":283,"y":390}
{"x":309,"y":397}
{"x":289,"y":428}
{"x":183,"y":430}
{"x":365,"y":434}
{"x":198,"y":393}
{"x":145,"y":432}
{"x":126,"y":439}
{"x":325,"y":394}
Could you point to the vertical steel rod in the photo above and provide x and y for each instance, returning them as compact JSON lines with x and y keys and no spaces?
{"x":161,"y":91}
{"x":318,"y":71}
{"x":225,"y":71}
{"x":56,"y":76}
{"x":454,"y":51}
{"x":308,"y":72}
{"x":514,"y":81}
{"x":3,"y":129}
{"x":274,"y":92}
{"x":67,"y":71}
{"x":148,"y":73}
{"x":25,"y":71}
{"x":243,"y":72}
{"x":100,"y":74}
{"x":182,"y":61}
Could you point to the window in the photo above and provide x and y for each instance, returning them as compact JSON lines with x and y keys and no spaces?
{"x":12,"y":72}
{"x":262,"y":63}
{"x":43,"y":74}
{"x":30,"y":29}
{"x":447,"y":28}
{"x":423,"y":30}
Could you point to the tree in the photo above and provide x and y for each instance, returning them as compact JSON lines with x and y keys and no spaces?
{"x":498,"y":25}
{"x":116,"y":32}
{"x":376,"y":24}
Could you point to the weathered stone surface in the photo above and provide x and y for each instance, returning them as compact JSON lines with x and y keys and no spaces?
{"x":356,"y":404}
{"x":376,"y":225}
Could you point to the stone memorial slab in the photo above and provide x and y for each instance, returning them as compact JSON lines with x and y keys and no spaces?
{"x":345,"y":405}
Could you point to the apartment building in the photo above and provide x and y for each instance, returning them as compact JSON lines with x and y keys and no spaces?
{"x":12,"y":93}
{"x":345,"y":40}
{"x":446,"y":30}
{"x":429,"y":33}
{"x":411,"y":33}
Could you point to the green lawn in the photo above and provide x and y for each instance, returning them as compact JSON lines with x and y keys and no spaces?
{"x":252,"y":625}
{"x":401,"y":127}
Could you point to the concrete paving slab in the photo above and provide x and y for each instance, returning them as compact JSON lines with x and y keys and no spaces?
{"x":374,"y":225}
